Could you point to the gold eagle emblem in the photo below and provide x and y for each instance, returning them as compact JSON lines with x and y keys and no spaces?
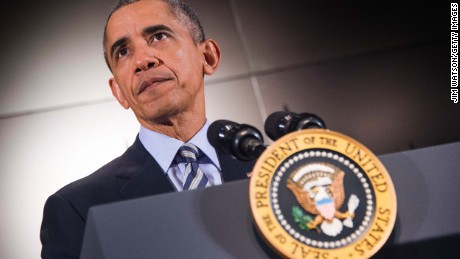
{"x":318,"y":188}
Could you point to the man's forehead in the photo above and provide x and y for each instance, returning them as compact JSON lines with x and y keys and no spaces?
{"x":137,"y":15}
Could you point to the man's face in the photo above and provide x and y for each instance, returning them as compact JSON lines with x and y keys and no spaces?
{"x":158,"y":69}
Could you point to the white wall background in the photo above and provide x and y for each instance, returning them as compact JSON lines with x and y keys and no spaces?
{"x":367,"y":70}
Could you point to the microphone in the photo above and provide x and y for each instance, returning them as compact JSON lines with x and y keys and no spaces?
{"x":279,"y":124}
{"x":242,"y":141}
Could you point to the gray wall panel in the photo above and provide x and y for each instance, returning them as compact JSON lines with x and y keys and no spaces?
{"x":280,"y":34}
{"x":393,"y":100}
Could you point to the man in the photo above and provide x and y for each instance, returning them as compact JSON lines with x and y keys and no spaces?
{"x":158,"y":56}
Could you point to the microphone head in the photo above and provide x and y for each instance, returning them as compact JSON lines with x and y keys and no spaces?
{"x":281,"y":123}
{"x":219,"y":134}
{"x":235,"y":139}
{"x":309,"y":121}
{"x":277,"y":124}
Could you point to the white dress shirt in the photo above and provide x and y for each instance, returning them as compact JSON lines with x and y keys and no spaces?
{"x":164,"y":150}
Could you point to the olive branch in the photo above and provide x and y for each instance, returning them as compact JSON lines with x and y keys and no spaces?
{"x":300,"y":218}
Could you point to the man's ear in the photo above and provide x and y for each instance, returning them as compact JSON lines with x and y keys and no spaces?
{"x":117,"y":93}
{"x":211,"y":54}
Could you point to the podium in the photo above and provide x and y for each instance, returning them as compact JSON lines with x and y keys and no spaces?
{"x":216,"y":222}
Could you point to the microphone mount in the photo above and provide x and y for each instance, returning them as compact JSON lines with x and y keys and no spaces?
{"x":242,"y":141}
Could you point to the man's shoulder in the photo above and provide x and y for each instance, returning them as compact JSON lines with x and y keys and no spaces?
{"x":96,"y":181}
{"x":66,"y":210}
{"x":96,"y":188}
{"x":102,"y":185}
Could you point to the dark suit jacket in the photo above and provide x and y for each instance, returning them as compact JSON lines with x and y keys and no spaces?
{"x":132,"y":175}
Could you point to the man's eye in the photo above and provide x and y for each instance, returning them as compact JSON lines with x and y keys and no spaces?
{"x":159,"y":36}
{"x":122,"y":52}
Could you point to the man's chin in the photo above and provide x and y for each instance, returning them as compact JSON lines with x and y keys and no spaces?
{"x":164,"y":116}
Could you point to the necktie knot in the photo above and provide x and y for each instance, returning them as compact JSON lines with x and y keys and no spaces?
{"x":193,"y":176}
{"x":188,"y":153}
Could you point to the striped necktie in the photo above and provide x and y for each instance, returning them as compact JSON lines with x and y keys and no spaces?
{"x":193,"y":176}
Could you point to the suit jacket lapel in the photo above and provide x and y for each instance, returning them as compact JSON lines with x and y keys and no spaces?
{"x":140,"y":175}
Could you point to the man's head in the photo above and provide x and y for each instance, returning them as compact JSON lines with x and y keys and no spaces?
{"x":181,"y":10}
{"x":158,"y":57}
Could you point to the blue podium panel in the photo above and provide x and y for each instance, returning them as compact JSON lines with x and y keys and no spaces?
{"x":216,"y":222}
{"x":427,"y":183}
{"x":210,"y":223}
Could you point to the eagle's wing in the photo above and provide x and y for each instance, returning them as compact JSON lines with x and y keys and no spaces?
{"x":337,"y":190}
{"x":302,"y":198}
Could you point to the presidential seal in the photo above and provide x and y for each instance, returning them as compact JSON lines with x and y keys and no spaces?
{"x":320,"y":194}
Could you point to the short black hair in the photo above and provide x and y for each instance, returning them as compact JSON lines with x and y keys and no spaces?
{"x":181,"y":10}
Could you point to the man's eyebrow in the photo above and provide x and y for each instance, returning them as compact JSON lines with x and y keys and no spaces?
{"x":156,"y":28}
{"x":120,"y":42}
{"x":146,"y":31}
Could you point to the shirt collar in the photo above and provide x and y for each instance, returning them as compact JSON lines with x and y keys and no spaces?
{"x":164,"y":148}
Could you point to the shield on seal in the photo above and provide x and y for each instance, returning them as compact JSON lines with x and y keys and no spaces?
{"x":326,"y":208}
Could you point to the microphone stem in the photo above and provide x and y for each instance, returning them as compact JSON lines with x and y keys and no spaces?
{"x":252,"y":147}
{"x":259,"y":149}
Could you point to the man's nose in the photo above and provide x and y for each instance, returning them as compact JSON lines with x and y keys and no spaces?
{"x":145,"y":60}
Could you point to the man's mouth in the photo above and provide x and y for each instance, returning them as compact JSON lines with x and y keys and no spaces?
{"x":152,"y":83}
